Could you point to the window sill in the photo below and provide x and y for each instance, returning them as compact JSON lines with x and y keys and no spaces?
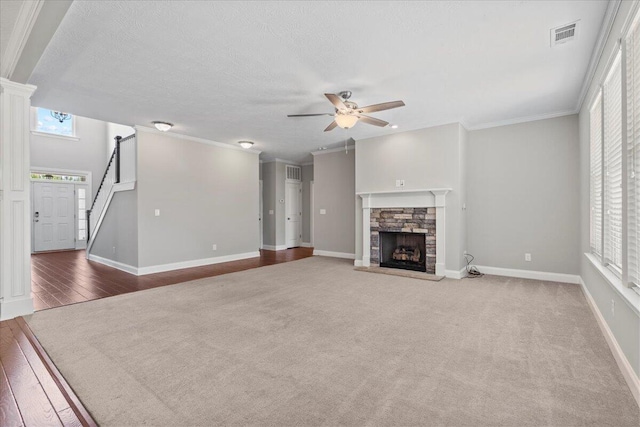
{"x":629,"y":295}
{"x":53,"y":135}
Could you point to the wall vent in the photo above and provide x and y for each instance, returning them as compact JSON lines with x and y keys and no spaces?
{"x":294,"y":173}
{"x":564,"y":34}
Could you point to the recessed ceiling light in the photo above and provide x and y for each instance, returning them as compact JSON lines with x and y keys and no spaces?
{"x":245,"y":144}
{"x":162,"y":126}
{"x":394,"y":126}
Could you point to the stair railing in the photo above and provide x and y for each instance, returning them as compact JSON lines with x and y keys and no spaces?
{"x":112,"y":176}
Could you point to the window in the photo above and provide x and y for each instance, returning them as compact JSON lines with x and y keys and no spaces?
{"x":632,"y":51}
{"x":47,"y":123}
{"x":615,"y":163}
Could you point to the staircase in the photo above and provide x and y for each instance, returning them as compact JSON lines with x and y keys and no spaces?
{"x":120,"y":175}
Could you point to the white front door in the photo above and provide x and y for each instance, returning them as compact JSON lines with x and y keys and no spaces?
{"x":293,"y":208}
{"x":53,"y":216}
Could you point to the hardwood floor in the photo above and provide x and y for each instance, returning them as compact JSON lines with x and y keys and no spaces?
{"x":63,"y":278}
{"x":32,"y":390}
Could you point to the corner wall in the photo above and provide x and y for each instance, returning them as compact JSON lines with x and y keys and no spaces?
{"x":523,"y":194}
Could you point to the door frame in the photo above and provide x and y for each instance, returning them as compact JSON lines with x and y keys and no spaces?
{"x":260,"y":213}
{"x":87,"y":174}
{"x":311,"y":214}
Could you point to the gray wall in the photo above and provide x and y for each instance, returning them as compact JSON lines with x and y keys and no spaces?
{"x":269,"y":203}
{"x":206,"y":195}
{"x":307,"y":177}
{"x":89,"y":153}
{"x":523,"y":194}
{"x":425,"y":158}
{"x":625,"y":325}
{"x":117,"y":238}
{"x":334,"y":190}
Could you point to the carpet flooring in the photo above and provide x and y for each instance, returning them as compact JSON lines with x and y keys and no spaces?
{"x":313,"y":342}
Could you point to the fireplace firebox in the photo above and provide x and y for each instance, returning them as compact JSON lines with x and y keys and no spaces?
{"x":403,"y":250}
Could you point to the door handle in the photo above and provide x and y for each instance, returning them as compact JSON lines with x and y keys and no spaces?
{"x":35,"y":220}
{"x":37,"y":214}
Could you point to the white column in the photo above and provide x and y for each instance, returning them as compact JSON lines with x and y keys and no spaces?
{"x":366,"y":237}
{"x":440,"y":202}
{"x":15,"y":200}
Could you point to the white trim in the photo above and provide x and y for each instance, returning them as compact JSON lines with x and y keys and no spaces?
{"x":16,"y":307}
{"x":274,"y":248}
{"x":628,"y":295}
{"x":306,"y":164}
{"x":124,"y":186}
{"x":115,"y":264}
{"x":305,"y":245}
{"x":399,"y":190}
{"x":530,"y":274}
{"x":334,"y":254}
{"x":55,"y":135}
{"x":25,"y":21}
{"x":358,"y":263}
{"x":276,"y":160}
{"x":524,"y":119}
{"x":455,"y":274}
{"x":333,"y":150}
{"x":140,"y":128}
{"x":195,"y":263}
{"x":598,"y":50}
{"x":623,"y":363}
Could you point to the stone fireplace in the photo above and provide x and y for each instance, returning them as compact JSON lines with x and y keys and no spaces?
{"x":404,"y":229}
{"x":404,"y":238}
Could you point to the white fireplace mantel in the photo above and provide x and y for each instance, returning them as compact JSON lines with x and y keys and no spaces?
{"x":423,"y":198}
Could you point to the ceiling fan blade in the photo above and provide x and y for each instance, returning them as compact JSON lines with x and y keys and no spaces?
{"x":380,"y":107}
{"x":336,"y":101}
{"x":372,"y":121}
{"x":310,"y":115}
{"x":331,"y":126}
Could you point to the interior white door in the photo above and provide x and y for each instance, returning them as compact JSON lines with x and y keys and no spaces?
{"x":53,"y":216}
{"x":293,"y":209}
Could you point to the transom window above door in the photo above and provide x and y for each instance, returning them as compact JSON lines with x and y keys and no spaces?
{"x":54,"y":122}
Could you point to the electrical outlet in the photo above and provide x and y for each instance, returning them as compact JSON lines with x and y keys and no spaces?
{"x":323,"y":211}
{"x":527,"y":257}
{"x":397,"y":183}
{"x":270,"y":211}
{"x":214,"y":247}
{"x":613,"y":308}
{"x":157,"y":212}
{"x":114,"y":250}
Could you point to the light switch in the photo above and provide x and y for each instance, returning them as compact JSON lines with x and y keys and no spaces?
{"x":323,"y":211}
{"x":157,"y":212}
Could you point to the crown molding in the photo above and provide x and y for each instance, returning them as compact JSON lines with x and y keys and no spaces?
{"x":146,"y":129}
{"x":276,"y":160}
{"x":520,"y":120}
{"x":23,"y":89}
{"x":333,"y":150}
{"x":598,"y":50}
{"x":27,"y":17}
{"x":306,"y":164}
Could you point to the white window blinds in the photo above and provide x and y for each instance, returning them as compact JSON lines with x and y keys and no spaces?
{"x":633,"y":153}
{"x":596,"y":176}
{"x":613,"y":166}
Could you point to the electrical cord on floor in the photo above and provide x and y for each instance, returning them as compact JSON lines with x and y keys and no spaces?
{"x":472,"y":270}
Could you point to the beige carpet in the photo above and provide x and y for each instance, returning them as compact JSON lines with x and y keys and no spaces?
{"x":400,"y":272}
{"x":313,"y":342}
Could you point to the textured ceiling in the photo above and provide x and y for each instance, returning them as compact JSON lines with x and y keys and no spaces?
{"x":9,"y":10}
{"x":229,"y":71}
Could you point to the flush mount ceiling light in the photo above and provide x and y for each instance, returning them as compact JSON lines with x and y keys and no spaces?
{"x":394,"y":126}
{"x":245,"y":144}
{"x":162,"y":126}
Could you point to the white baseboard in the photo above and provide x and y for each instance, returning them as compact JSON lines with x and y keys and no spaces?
{"x":454,"y":274}
{"x":115,"y":264}
{"x":358,"y":263}
{"x":17,"y":307}
{"x":305,"y":245}
{"x":623,"y":363}
{"x":334,"y":254}
{"x":529,"y":274}
{"x":275,"y":248}
{"x":195,"y":263}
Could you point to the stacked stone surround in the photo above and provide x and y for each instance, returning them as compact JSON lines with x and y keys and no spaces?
{"x":405,"y":220}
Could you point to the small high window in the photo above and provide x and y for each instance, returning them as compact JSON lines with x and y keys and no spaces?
{"x":55,"y":122}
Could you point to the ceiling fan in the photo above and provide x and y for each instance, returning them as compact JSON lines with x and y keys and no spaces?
{"x":348,"y":113}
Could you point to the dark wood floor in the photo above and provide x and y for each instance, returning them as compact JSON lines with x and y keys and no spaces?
{"x":32,"y":391}
{"x":63,"y":278}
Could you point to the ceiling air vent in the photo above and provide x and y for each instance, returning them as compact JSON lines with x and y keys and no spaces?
{"x":564,"y":34}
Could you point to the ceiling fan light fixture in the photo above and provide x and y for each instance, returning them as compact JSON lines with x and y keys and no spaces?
{"x":162,"y":126}
{"x":346,"y":121}
{"x":245,"y":144}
